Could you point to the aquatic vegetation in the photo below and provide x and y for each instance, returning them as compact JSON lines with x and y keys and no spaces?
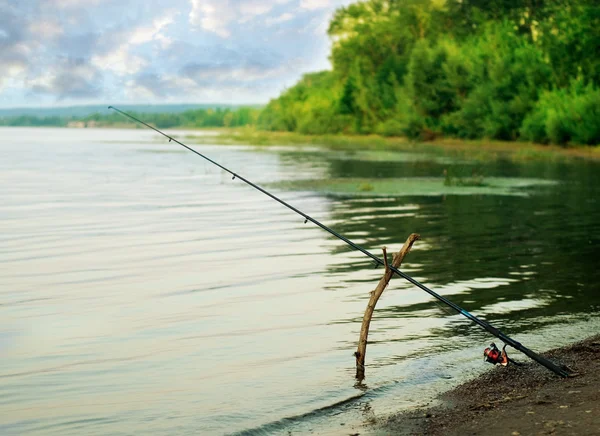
{"x":474,"y":180}
{"x":366,"y":187}
{"x":373,"y":147}
{"x":418,"y":186}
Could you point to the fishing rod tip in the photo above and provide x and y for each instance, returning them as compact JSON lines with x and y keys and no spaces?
{"x":110,"y":107}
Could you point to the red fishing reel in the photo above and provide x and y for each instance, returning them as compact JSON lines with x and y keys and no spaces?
{"x":495,"y":356}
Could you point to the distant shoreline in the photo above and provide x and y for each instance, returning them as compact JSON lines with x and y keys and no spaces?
{"x":479,"y":149}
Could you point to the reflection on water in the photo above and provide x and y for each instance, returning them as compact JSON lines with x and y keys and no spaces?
{"x":145,"y":291}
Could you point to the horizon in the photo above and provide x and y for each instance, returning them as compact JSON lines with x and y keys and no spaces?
{"x":73,"y":106}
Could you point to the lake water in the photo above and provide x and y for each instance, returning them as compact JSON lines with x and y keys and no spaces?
{"x":145,"y":292}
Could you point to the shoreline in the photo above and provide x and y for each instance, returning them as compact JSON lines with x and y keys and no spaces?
{"x":516,"y":400}
{"x":477,"y":149}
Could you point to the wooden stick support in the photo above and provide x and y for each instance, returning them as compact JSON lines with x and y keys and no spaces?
{"x":383,"y":282}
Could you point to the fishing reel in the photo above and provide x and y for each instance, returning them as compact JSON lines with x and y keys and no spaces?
{"x":495,"y":356}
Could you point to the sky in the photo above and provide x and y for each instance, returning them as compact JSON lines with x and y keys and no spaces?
{"x":75,"y":52}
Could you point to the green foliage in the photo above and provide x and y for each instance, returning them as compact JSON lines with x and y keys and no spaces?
{"x":391,"y":127}
{"x":348,"y":104}
{"x":428,"y":88}
{"x":427,"y":83}
{"x":33,"y":120}
{"x":570,"y":36}
{"x":566,"y":116}
{"x":318,"y":104}
{"x":503,"y":75}
{"x":470,"y":69}
{"x":242,"y":116}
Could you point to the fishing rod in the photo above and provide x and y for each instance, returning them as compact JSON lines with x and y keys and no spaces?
{"x":378,"y":261}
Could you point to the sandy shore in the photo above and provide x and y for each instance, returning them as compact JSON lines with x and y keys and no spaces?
{"x":517,"y":400}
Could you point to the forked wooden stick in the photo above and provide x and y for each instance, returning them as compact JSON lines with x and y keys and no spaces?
{"x":387,"y":275}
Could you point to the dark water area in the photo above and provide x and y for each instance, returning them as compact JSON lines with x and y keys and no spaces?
{"x":144,"y":291}
{"x":548,"y":239}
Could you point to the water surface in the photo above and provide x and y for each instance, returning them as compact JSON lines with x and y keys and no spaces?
{"x":144,"y":291}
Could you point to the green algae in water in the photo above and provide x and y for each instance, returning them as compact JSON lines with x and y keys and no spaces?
{"x":420,"y":186}
{"x":364,"y":155}
{"x":474,"y":180}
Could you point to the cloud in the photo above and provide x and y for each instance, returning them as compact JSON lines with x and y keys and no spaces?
{"x":71,"y":78}
{"x":314,"y":4}
{"x":120,"y":61}
{"x":219,"y":74}
{"x":14,"y":46}
{"x":287,"y":16}
{"x":79,"y":45}
{"x":46,"y":29}
{"x":44,"y":54}
{"x":210,"y":71}
{"x":221,"y":54}
{"x":144,"y":34}
{"x":64,"y":4}
{"x":120,"y":57}
{"x":175,"y":88}
{"x":85,"y":50}
{"x":212,"y":16}
{"x":155,"y":85}
{"x":217,"y":16}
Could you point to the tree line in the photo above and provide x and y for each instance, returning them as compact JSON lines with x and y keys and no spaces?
{"x":218,"y":117}
{"x":502,"y":69}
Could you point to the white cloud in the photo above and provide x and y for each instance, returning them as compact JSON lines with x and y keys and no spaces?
{"x":10,"y":71}
{"x":164,"y":42}
{"x":46,"y":29}
{"x":280,"y":19}
{"x":119,"y":61}
{"x":43,"y":81}
{"x":62,"y":4}
{"x":144,"y":34}
{"x":216,"y":16}
{"x":314,"y":4}
{"x":212,"y":16}
{"x":253,"y":8}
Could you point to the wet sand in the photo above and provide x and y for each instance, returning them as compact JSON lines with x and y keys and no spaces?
{"x":517,"y":400}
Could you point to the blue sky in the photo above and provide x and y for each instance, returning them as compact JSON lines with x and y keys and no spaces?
{"x":69,"y":52}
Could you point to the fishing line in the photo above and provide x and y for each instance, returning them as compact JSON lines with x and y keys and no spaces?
{"x":378,"y":261}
